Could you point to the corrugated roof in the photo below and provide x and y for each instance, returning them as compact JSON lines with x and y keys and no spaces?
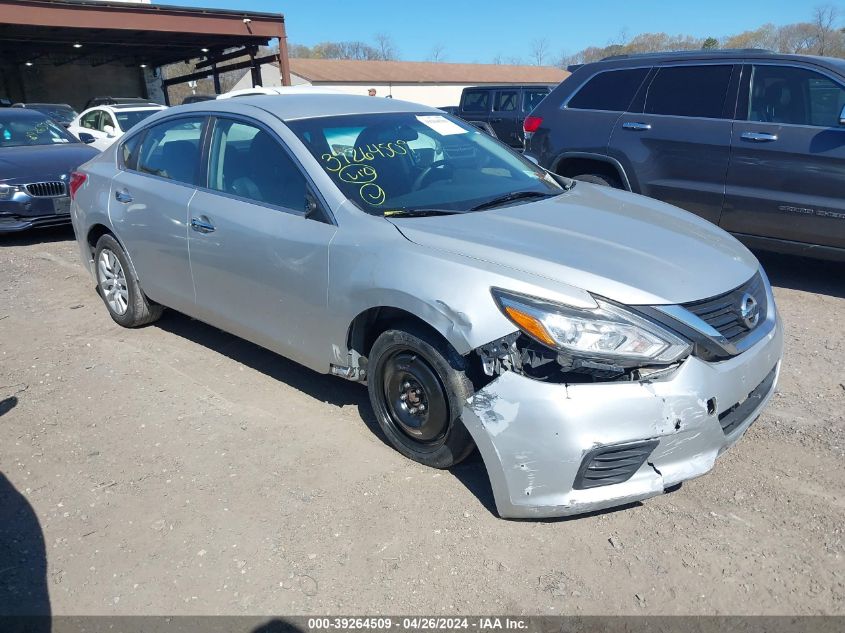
{"x":356,"y":71}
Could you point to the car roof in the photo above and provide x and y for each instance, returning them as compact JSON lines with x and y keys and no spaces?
{"x":732,"y":55}
{"x":290,"y":107}
{"x":22,"y":113}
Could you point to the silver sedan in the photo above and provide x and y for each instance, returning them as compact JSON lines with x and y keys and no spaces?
{"x":596,"y":346}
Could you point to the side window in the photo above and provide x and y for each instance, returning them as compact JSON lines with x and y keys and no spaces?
{"x":91,"y":120}
{"x":248,"y":162}
{"x":476,"y":101}
{"x":106,"y":120}
{"x":785,"y":94}
{"x":129,"y":151}
{"x":506,"y":101}
{"x":612,"y":90}
{"x":172,"y":150}
{"x":532,"y":98}
{"x":694,"y":91}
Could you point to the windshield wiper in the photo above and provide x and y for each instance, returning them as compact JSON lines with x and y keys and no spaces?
{"x":417,"y":213}
{"x":510,"y":197}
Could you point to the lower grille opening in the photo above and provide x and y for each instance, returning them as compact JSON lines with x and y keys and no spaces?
{"x":608,"y":465}
{"x":737,"y":414}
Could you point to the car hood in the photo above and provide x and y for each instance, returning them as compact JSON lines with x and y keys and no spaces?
{"x":612,"y":243}
{"x":42,"y":162}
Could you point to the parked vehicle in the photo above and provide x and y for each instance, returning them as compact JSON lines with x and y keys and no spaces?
{"x":101,"y":126}
{"x":751,"y":140}
{"x":101,"y":101}
{"x":36,"y":159}
{"x":198,"y":99}
{"x":61,"y":113}
{"x":598,"y":347}
{"x":449,"y":110}
{"x":276,"y":91}
{"x":500,"y":110}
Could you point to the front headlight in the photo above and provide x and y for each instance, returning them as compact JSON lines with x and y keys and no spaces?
{"x":607,"y":333}
{"x":7,"y":191}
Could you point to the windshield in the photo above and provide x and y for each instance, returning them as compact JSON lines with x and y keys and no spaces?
{"x":20,"y":131}
{"x":127,"y":119}
{"x":397,"y":162}
{"x":59,"y":113}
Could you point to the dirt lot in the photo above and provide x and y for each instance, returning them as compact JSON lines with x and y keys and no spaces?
{"x":178,"y":470}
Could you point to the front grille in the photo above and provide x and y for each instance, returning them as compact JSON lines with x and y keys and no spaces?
{"x":738,"y":413}
{"x":724,"y":313}
{"x":609,"y":465}
{"x":46,"y":189}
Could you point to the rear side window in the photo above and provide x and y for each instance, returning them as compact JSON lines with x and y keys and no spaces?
{"x":129,"y":151}
{"x":476,"y":101}
{"x":532,"y":99}
{"x":506,"y":101}
{"x":172,"y":150}
{"x":248,"y":162}
{"x":612,"y":90}
{"x":694,"y":91}
{"x":786,"y":94}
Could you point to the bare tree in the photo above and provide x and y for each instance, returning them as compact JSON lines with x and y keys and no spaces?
{"x":386,"y":46}
{"x":437,"y":53}
{"x":539,"y":50}
{"x":824,"y":19}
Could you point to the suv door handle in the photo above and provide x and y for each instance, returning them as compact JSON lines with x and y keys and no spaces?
{"x":202,"y":225}
{"x":759,"y":137}
{"x":637,"y":127}
{"x":123,"y":196}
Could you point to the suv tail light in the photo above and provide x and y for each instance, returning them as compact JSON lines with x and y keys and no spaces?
{"x":532,"y":123}
{"x":77,"y":179}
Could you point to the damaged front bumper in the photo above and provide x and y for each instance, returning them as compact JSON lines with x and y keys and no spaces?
{"x":555,"y":449}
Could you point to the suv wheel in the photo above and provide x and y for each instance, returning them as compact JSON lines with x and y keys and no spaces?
{"x":418,"y":387}
{"x":600,"y":179}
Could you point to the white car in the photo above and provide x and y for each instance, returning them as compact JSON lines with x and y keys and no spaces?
{"x":277,"y":90}
{"x":102,"y":125}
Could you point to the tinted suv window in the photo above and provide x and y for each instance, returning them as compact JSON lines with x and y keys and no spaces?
{"x":506,"y":100}
{"x":476,"y":101}
{"x":532,"y":99}
{"x":248,"y":162}
{"x":612,"y":90}
{"x":697,"y":91}
{"x":172,"y":150}
{"x":783,"y":94}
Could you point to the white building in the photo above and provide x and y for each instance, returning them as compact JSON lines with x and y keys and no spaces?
{"x":430,"y":83}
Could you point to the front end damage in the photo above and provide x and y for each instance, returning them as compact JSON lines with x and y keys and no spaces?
{"x":561,"y":440}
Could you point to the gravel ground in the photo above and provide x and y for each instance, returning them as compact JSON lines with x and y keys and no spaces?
{"x":178,"y":470}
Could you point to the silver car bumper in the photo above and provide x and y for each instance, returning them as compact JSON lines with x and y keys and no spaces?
{"x":541,"y":443}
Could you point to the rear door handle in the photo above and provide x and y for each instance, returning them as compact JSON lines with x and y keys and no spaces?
{"x":638,"y":127}
{"x":123,"y":196}
{"x":202,"y":225}
{"x":759,"y":137}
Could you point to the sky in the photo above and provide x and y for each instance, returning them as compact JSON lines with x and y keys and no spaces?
{"x":480,"y":31}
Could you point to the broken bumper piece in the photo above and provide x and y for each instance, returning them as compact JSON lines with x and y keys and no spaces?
{"x":554,"y":450}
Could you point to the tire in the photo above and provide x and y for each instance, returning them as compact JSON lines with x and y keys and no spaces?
{"x":600,"y":179}
{"x":431,"y":376}
{"x":117,"y":284}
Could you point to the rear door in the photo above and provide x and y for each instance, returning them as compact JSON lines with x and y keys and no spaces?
{"x":675,"y":143}
{"x":506,"y":116}
{"x":259,"y":265}
{"x":787,"y":169}
{"x":476,"y":104}
{"x":149,"y":206}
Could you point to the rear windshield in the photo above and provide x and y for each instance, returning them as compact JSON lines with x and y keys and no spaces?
{"x":31,"y":130}
{"x":388,"y":163}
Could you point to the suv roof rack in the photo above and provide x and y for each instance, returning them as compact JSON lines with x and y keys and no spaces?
{"x":691,"y":53}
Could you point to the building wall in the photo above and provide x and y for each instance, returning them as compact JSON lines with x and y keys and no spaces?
{"x":435,"y":95}
{"x":71,"y":83}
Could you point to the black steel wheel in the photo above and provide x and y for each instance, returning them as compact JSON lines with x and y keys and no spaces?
{"x":417,"y":389}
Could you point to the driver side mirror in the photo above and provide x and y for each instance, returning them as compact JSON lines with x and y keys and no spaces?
{"x":110,"y":131}
{"x":86,"y":138}
{"x":842,"y":116}
{"x":313,"y":210}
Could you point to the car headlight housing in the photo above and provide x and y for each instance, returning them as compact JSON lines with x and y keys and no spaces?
{"x":7,"y":191}
{"x":607,"y":333}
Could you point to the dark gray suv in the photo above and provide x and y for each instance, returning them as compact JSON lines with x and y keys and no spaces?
{"x":751,"y":140}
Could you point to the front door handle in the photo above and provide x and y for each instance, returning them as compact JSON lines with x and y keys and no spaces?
{"x":759,"y":137}
{"x":123,"y":196}
{"x":637,"y":127}
{"x":202,"y":225}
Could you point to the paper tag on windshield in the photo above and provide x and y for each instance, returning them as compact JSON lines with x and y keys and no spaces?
{"x":441,"y":125}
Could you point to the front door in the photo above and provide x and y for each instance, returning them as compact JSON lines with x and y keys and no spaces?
{"x":675,"y":144}
{"x":149,"y":207}
{"x":788,"y":158}
{"x":260,"y":267}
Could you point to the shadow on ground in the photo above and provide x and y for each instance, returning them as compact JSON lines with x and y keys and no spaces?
{"x":37,"y":236}
{"x":801,"y":273}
